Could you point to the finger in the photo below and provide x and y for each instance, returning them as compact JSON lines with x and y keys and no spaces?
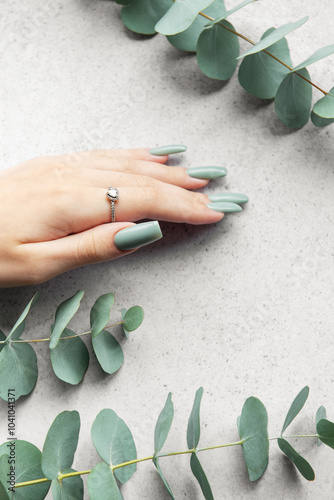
{"x":159,"y":201}
{"x":97,"y":172}
{"x":80,"y":158}
{"x":99,"y":244}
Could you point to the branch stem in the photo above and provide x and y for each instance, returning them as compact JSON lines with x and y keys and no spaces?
{"x":151,"y":457}
{"x":61,"y":338}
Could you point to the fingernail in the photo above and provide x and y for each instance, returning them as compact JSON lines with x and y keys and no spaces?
{"x":138,"y":235}
{"x":207,"y":172}
{"x":230,"y":197}
{"x":168,"y":150}
{"x":223,"y":206}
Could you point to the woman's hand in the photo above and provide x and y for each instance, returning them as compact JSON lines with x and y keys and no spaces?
{"x":55,"y":214}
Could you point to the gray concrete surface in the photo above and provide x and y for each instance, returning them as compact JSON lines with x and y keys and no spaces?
{"x":244,"y":307}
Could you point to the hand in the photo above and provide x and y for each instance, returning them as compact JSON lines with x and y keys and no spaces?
{"x":55,"y":214}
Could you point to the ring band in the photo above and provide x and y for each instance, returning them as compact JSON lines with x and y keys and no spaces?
{"x":113,"y":196}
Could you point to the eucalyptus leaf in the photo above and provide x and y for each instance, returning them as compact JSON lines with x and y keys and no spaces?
{"x":296,"y":407}
{"x":217,"y":51}
{"x":123,"y":313}
{"x":199,"y":473}
{"x":3,"y":477}
{"x":18,"y":369}
{"x":275,"y":36}
{"x":19,"y":326}
{"x":325,"y":430}
{"x":60,"y":444}
{"x":180,"y":16}
{"x":141,"y":16}
{"x":318,"y":121}
{"x":108,"y":352}
{"x":70,"y":359}
{"x":253,"y":431}
{"x":100,"y":313}
{"x":2,"y":339}
{"x":321,"y":413}
{"x":324,"y":108}
{"x":293,"y":99}
{"x":302,"y":465}
{"x":156,"y":463}
{"x":133,"y":318}
{"x":102,"y":484}
{"x":65,"y":312}
{"x":27,"y":468}
{"x":317,"y":56}
{"x":229,"y":12}
{"x":70,"y":488}
{"x":193,"y":429}
{"x":114,"y":443}
{"x":163,"y":424}
{"x":261,"y":75}
{"x":187,"y":40}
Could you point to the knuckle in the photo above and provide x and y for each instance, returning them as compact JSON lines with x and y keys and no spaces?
{"x":90,"y":249}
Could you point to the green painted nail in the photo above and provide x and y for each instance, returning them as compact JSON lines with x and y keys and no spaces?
{"x":230,"y":197}
{"x":223,"y":206}
{"x":168,"y":150}
{"x":207,"y":172}
{"x":138,"y":235}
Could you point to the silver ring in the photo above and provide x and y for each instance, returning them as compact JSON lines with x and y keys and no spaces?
{"x":113,"y":196}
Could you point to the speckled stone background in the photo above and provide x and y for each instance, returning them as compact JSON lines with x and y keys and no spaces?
{"x":244,"y":307}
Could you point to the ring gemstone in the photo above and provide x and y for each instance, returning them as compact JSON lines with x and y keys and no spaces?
{"x":113,"y":194}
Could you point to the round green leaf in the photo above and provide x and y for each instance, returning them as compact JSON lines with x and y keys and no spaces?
{"x":199,"y":473}
{"x":169,"y":491}
{"x":318,"y":121}
{"x":19,"y":326}
{"x":108,"y":352}
{"x":3,"y":477}
{"x":325,"y":430}
{"x":65,"y":312}
{"x":324,"y":108}
{"x":187,"y":40}
{"x":293,"y":99}
{"x":302,"y":465}
{"x":100,"y":313}
{"x":275,"y":36}
{"x":60,"y":444}
{"x":70,"y":359}
{"x":253,"y":431}
{"x":217,"y":51}
{"x":163,"y":424}
{"x":260,"y":74}
{"x":194,"y":428}
{"x":141,"y":16}
{"x":27,"y":468}
{"x":180,"y":16}
{"x":102,"y":484}
{"x":70,"y":488}
{"x":18,"y":369}
{"x":133,"y":318}
{"x":114,"y":443}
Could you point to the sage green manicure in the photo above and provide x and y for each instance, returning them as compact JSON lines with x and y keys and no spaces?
{"x":207,"y":172}
{"x":168,"y":150}
{"x":224,"y":206}
{"x":138,"y":235}
{"x":230,"y":197}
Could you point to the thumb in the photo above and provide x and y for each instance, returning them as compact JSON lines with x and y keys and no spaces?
{"x":99,"y":244}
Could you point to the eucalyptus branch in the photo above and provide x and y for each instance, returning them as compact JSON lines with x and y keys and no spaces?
{"x":62,"y":438}
{"x":266,"y":70}
{"x":69,"y":354}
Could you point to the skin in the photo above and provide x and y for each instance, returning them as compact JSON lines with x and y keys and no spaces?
{"x":56,"y":216}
